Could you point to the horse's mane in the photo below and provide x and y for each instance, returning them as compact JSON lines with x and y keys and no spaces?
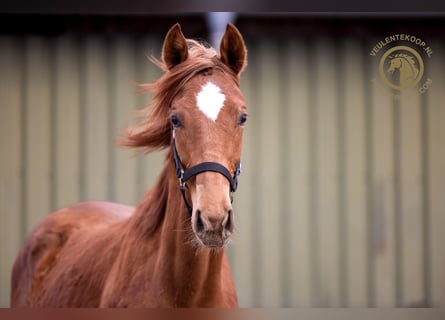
{"x":154,"y":131}
{"x":410,"y":60}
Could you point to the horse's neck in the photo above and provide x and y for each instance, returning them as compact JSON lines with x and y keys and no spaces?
{"x":178,"y":265}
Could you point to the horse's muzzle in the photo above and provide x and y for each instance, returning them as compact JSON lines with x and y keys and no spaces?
{"x":213,"y":230}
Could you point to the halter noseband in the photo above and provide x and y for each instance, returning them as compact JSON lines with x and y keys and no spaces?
{"x":184,"y":176}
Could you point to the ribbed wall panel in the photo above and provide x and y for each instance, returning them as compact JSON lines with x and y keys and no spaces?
{"x":341,"y":199}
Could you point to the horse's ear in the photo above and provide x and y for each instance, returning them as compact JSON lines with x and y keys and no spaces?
{"x":174,"y":50}
{"x":233,"y":50}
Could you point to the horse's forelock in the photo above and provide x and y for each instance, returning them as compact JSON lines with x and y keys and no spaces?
{"x":153,"y":132}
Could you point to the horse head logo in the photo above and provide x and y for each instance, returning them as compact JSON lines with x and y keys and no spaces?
{"x":401,"y":67}
{"x":407,"y":68}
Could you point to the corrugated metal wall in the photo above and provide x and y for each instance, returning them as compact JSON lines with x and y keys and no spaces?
{"x":342,"y":195}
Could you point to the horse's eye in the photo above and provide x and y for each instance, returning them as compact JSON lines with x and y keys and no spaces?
{"x":175,"y":121}
{"x":242,"y":119}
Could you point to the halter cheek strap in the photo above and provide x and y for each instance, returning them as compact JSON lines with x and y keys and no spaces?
{"x":184,"y":176}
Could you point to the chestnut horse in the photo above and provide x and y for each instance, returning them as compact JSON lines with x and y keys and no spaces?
{"x":169,"y":250}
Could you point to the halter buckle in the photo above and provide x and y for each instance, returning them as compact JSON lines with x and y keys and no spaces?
{"x":181,"y":179}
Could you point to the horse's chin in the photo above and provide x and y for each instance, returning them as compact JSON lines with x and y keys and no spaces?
{"x":212,"y":241}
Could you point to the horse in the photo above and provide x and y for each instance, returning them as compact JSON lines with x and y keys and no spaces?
{"x":407,"y":69}
{"x":168,"y":251}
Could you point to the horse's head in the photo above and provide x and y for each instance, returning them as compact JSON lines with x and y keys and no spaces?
{"x":207,"y":116}
{"x":394,"y":64}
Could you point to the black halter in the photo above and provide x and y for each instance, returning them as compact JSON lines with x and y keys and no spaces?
{"x":184,"y":176}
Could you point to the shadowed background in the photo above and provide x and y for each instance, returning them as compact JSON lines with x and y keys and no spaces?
{"x":341,"y":200}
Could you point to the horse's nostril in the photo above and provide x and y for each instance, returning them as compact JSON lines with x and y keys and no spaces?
{"x":199,"y":224}
{"x":228,"y":225}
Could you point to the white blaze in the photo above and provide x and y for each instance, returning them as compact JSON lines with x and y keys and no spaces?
{"x":210,"y":100}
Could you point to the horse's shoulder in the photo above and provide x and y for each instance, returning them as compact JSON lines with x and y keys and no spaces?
{"x":56,"y":230}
